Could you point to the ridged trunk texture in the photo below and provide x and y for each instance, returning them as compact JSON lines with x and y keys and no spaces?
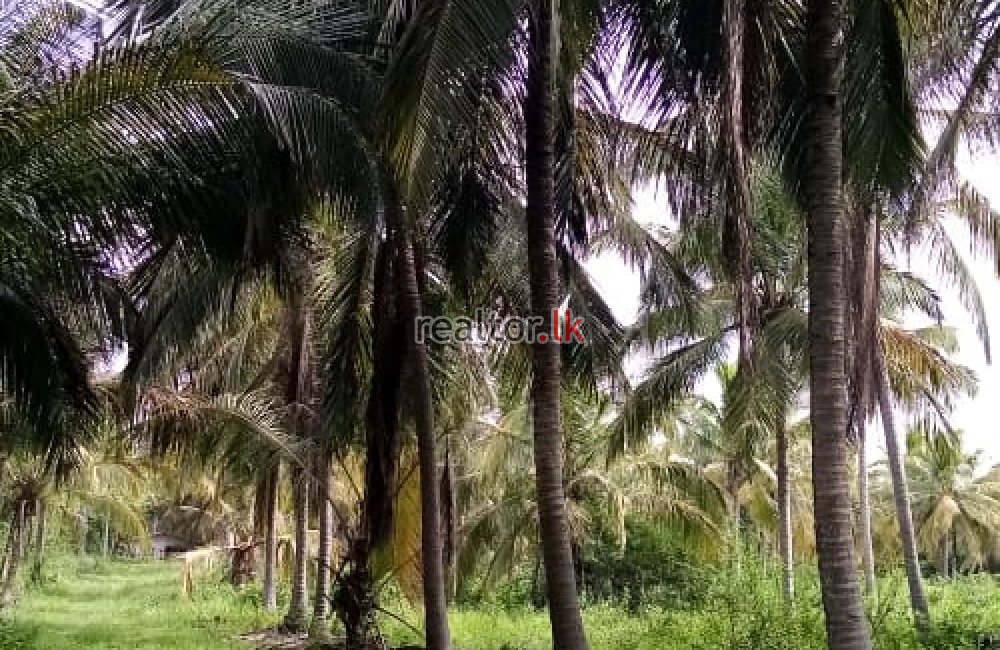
{"x":846,"y":626}
{"x":324,"y":554}
{"x":298,"y":382}
{"x":354,"y":591}
{"x":738,"y":236}
{"x":784,"y":496}
{"x":431,"y":544}
{"x":296,"y":620}
{"x":449,"y":520}
{"x":28,"y":534}
{"x":5,"y":560}
{"x":81,"y":534}
{"x":539,"y":159}
{"x":9,"y":589}
{"x":39,"y":550}
{"x":353,"y":599}
{"x":901,"y":499}
{"x":865,"y":516}
{"x":269,"y":588}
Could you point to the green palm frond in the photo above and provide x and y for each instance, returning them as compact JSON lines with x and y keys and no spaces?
{"x":668,"y":379}
{"x":883,"y":143}
{"x":229,"y":428}
{"x":917,"y":366}
{"x":901,"y":290}
{"x":957,"y":274}
{"x":451,"y":55}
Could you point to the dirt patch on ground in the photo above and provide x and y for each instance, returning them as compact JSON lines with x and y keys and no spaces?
{"x":272,"y":639}
{"x":275,"y":639}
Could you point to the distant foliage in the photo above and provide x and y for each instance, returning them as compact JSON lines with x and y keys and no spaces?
{"x":654,"y":568}
{"x":741,"y":610}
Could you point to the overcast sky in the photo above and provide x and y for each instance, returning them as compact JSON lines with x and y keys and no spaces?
{"x":978,"y":416}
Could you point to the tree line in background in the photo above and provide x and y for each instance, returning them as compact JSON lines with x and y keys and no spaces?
{"x":255,"y":201}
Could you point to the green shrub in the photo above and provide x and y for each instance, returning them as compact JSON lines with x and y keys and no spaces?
{"x":653,"y":568}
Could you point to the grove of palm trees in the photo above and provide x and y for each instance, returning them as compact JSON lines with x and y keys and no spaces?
{"x":265,"y":266}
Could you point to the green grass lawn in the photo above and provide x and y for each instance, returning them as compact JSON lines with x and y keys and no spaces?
{"x":127,"y":606}
{"x":139,"y":606}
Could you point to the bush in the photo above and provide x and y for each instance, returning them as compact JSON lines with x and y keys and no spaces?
{"x":745,"y":610}
{"x":654,"y":569}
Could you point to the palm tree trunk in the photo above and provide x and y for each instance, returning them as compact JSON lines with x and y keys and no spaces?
{"x":846,"y":626}
{"x":901,"y":499}
{"x":539,"y":158}
{"x":260,"y":522}
{"x":733,"y":482}
{"x":270,"y":586}
{"x":14,"y":560}
{"x":354,"y":596}
{"x":738,"y":236}
{"x":36,"y":568}
{"x":785,"y":516}
{"x":296,"y":619}
{"x":431,"y":545}
{"x":81,"y":539}
{"x":321,"y":597}
{"x":260,"y":507}
{"x":449,"y":517}
{"x":297,"y":378}
{"x":28,"y":534}
{"x":106,"y":538}
{"x":865,"y":516}
{"x":944,"y":559}
{"x":8,"y":546}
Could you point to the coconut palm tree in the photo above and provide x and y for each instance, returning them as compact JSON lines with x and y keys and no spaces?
{"x":955,"y":511}
{"x":497,"y":509}
{"x":846,"y":626}
{"x":540,"y":172}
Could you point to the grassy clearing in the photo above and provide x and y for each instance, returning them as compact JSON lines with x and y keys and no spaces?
{"x":745,"y":613}
{"x":138,"y":606}
{"x":126,"y":606}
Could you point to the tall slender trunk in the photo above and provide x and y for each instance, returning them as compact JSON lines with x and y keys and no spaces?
{"x":944,"y":558}
{"x":954,"y":552}
{"x":270,"y":586}
{"x":865,"y":516}
{"x":901,"y":499}
{"x":449,"y":506}
{"x":739,"y":208}
{"x":14,"y":559}
{"x":846,"y":627}
{"x":28,"y":535}
{"x":298,"y":384}
{"x":354,"y":592}
{"x":260,"y":507}
{"x":82,"y":530}
{"x":324,"y":555}
{"x":296,"y":618}
{"x":8,"y":545}
{"x":785,"y":515}
{"x":39,"y":559}
{"x":431,"y":546}
{"x":106,"y":538}
{"x":539,"y":159}
{"x":354,"y":596}
{"x":733,"y":482}
{"x":260,"y":522}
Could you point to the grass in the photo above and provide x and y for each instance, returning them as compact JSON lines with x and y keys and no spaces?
{"x":138,"y":606}
{"x":741,"y":613}
{"x":127,"y":606}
